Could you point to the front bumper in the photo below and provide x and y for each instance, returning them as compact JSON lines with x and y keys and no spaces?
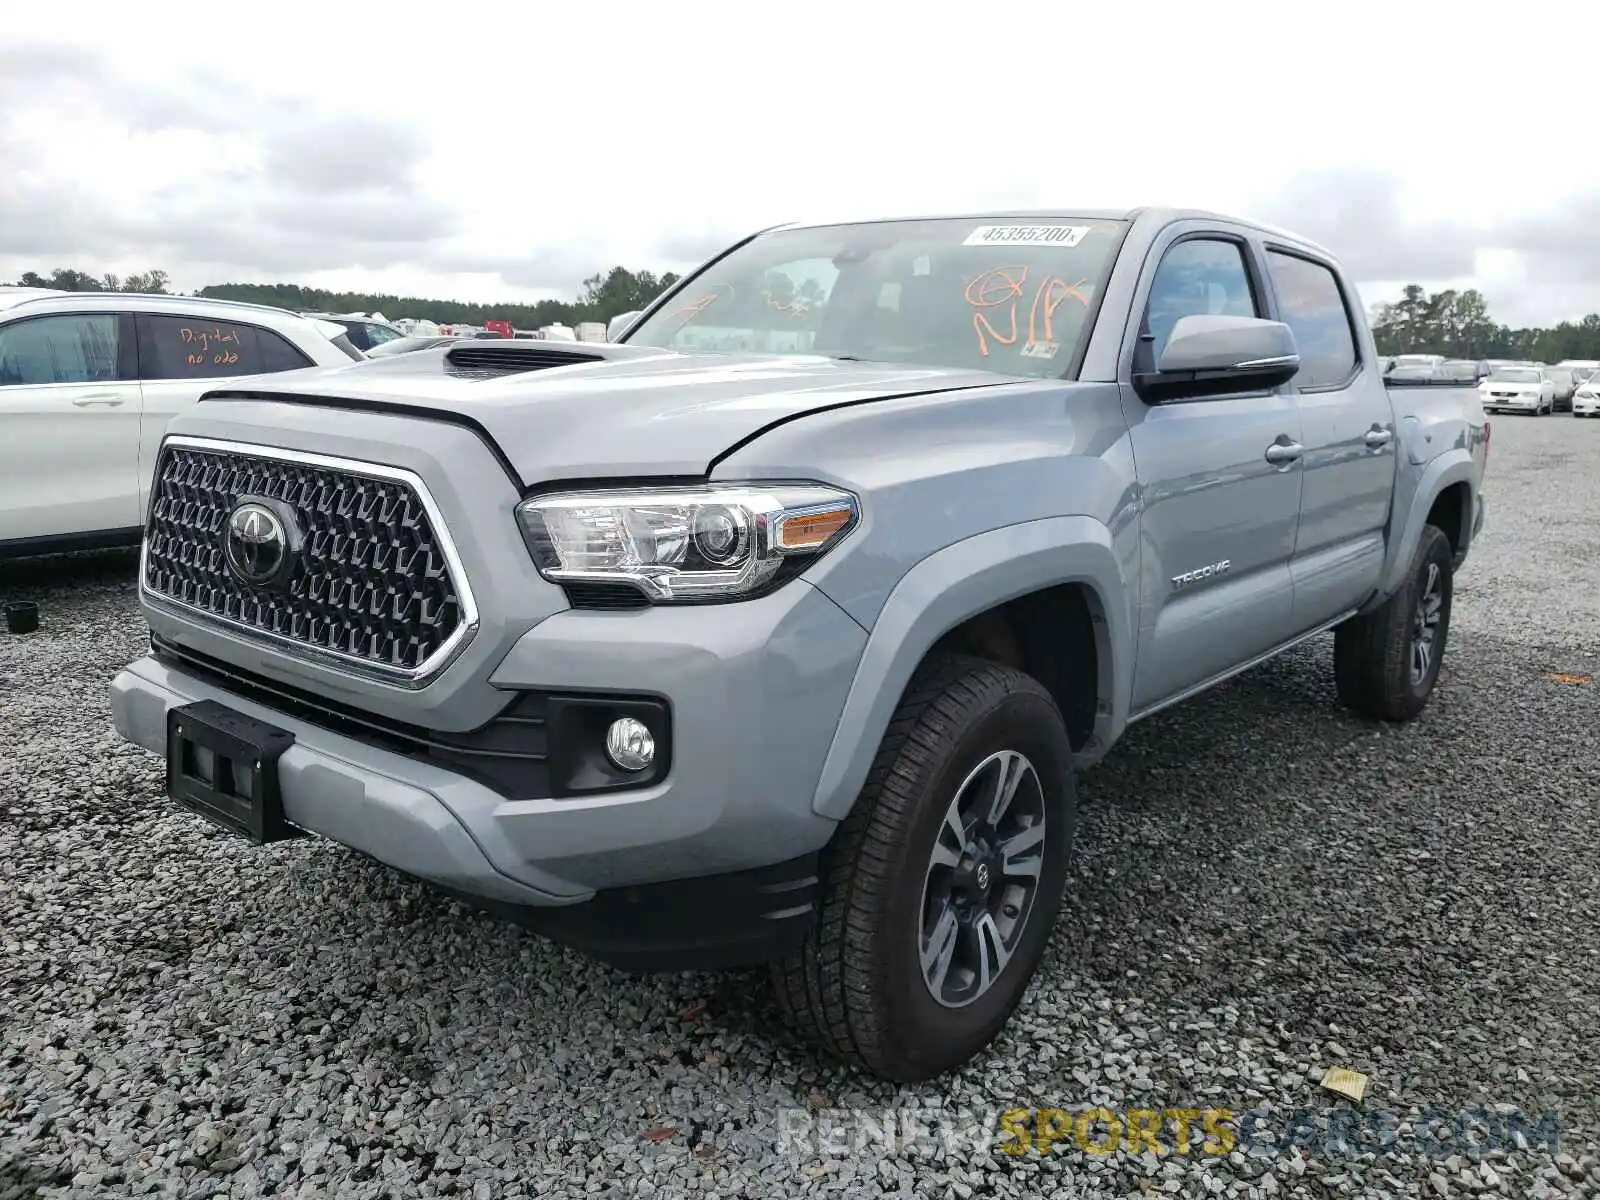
{"x":1586,"y":406}
{"x":1513,"y":403}
{"x":755,"y":689}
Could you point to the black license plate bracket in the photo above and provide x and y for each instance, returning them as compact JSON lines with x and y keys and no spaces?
{"x":223,"y":765}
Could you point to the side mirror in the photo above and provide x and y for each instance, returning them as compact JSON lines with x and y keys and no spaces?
{"x":618,"y":325}
{"x":1214,"y":355}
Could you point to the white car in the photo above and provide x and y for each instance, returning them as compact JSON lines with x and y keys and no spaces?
{"x":1518,"y":389}
{"x":88,"y":382}
{"x":1586,"y":400}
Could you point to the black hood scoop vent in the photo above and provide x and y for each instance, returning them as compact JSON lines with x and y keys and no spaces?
{"x":489,"y":360}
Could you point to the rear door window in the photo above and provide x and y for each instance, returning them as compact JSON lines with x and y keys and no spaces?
{"x":1311,"y":303}
{"x":177,"y":347}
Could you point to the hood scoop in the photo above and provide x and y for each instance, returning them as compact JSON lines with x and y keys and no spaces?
{"x":489,"y":360}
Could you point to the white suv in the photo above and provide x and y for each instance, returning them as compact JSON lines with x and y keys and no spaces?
{"x":88,"y":382}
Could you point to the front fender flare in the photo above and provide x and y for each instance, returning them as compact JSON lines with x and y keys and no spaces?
{"x":955,"y":583}
{"x":1411,"y":514}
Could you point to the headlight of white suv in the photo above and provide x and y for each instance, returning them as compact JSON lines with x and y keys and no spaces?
{"x":708,"y":542}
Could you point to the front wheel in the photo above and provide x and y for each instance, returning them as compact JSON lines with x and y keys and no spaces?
{"x":941,"y":887}
{"x":1386,"y":662}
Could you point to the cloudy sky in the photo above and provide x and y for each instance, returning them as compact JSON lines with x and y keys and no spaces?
{"x":455,"y":150}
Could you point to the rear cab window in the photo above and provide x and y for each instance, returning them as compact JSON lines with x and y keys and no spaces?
{"x":178,"y":347}
{"x":1010,"y":295}
{"x":1311,"y":302}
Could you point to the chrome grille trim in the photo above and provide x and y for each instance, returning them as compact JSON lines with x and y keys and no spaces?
{"x":353,"y":665}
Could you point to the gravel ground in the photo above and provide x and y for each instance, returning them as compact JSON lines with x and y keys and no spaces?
{"x":1266,"y":888}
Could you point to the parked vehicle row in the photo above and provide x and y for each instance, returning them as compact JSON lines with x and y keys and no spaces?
{"x":365,"y":333}
{"x":1506,"y":385}
{"x":789,"y":649}
{"x":408,"y":345}
{"x":88,"y":382}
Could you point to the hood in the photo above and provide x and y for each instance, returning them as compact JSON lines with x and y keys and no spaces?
{"x":581,"y":410}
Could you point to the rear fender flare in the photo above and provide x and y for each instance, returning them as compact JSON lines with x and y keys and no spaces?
{"x":1411,"y":514}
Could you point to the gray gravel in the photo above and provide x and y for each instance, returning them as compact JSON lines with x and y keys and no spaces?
{"x":1266,"y":888}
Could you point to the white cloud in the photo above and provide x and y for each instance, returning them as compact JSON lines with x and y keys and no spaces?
{"x":502,"y":153}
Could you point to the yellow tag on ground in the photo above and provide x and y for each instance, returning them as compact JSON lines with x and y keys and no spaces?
{"x":1346,"y":1082}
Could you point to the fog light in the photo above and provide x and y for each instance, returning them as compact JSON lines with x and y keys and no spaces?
{"x":629,"y":744}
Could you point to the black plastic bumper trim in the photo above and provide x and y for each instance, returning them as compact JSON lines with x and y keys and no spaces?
{"x":709,"y":923}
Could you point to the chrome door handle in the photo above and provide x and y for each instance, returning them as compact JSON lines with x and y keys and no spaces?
{"x":1378,"y":437}
{"x":91,"y":401}
{"x":1283,"y":454}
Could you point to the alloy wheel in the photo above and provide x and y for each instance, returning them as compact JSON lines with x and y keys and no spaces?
{"x":1425,"y":625}
{"x":982,"y":879}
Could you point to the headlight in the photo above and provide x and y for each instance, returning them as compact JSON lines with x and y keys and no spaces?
{"x":711,"y":542}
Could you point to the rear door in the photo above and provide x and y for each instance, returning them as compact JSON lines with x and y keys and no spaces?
{"x":69,"y":426}
{"x":1217,"y":517}
{"x":1350,"y":440}
{"x":181,"y":357}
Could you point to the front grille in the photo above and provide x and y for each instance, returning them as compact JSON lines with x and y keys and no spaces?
{"x":372,"y":584}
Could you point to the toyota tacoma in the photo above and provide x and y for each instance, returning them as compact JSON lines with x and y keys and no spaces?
{"x":779,"y":630}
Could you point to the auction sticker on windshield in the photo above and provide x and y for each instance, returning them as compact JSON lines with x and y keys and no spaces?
{"x":1027,"y":235}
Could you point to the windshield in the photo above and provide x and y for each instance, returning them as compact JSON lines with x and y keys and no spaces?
{"x":1515,"y":375}
{"x":1416,"y":360}
{"x":996,"y":295}
{"x":1459,"y":369}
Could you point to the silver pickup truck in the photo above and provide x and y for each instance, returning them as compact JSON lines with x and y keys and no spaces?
{"x":778,"y":631}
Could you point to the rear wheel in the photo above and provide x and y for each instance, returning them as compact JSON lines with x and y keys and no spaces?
{"x":1385,"y":664}
{"x":941,"y":887}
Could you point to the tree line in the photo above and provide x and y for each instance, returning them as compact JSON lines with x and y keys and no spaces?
{"x":605,"y":295}
{"x":1456,"y":324}
{"x":64,"y":279}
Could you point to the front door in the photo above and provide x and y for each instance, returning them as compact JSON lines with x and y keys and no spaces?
{"x":1350,"y":443}
{"x":1218,"y":512}
{"x":69,"y":427}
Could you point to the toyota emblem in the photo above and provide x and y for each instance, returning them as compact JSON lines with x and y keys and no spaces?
{"x":257,"y":544}
{"x":983,"y":876}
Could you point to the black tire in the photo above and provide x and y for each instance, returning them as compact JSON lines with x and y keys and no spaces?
{"x":857,"y":988}
{"x":1373,"y":655}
